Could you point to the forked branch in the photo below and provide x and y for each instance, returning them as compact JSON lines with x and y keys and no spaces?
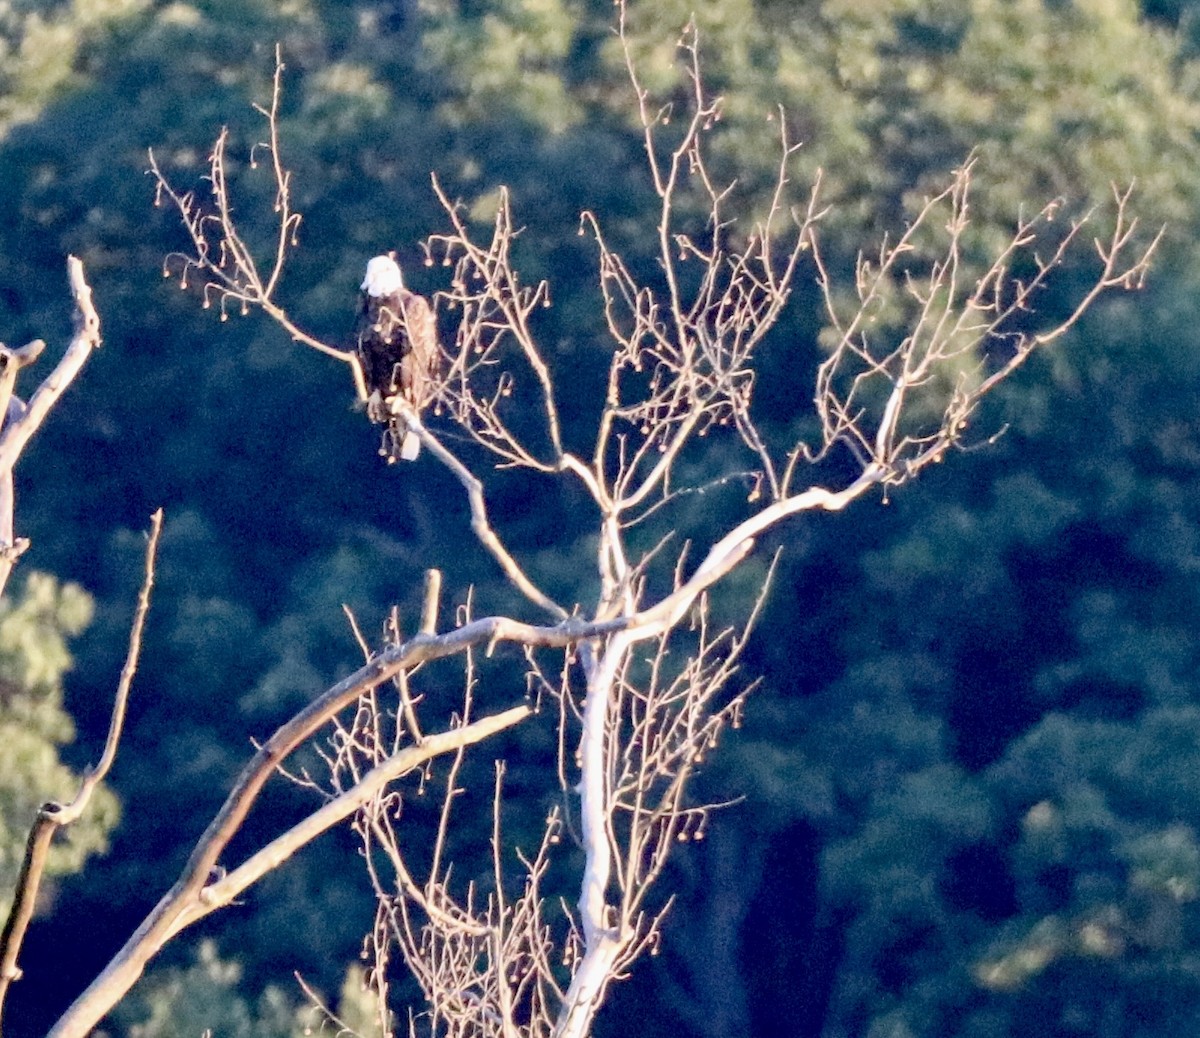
{"x":221,"y":259}
{"x":899,"y":392}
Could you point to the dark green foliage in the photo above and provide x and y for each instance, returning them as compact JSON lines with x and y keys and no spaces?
{"x":206,"y":997}
{"x":35,"y":624}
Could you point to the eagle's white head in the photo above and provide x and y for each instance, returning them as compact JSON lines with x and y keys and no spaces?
{"x":383,"y":277}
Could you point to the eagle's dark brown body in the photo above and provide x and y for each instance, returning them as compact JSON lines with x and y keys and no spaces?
{"x":396,"y":342}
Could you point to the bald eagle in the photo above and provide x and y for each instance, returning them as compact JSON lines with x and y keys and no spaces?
{"x":397,"y":347}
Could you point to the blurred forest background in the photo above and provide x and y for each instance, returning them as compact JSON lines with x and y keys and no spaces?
{"x":970,"y":781}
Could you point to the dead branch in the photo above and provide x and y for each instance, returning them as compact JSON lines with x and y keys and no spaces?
{"x":481,"y":524}
{"x":53,"y":816}
{"x":495,"y":308}
{"x":21,"y":420}
{"x":901,"y":400}
{"x":683,"y":366}
{"x":236,"y":881}
{"x":222,"y":260}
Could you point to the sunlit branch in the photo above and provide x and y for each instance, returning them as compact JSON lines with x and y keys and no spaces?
{"x":20,"y":420}
{"x":223,"y":891}
{"x":221,"y":258}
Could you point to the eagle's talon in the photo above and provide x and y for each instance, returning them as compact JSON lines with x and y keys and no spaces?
{"x":375,"y":408}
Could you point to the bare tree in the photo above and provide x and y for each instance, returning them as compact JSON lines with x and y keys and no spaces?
{"x":638,"y":684}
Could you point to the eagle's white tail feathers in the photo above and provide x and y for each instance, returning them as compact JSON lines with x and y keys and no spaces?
{"x":410,"y":445}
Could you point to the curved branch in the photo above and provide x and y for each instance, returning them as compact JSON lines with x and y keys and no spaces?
{"x":83,"y":342}
{"x":480,"y":522}
{"x":223,"y":891}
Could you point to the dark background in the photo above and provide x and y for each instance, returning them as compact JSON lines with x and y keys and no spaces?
{"x":970,"y":783}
